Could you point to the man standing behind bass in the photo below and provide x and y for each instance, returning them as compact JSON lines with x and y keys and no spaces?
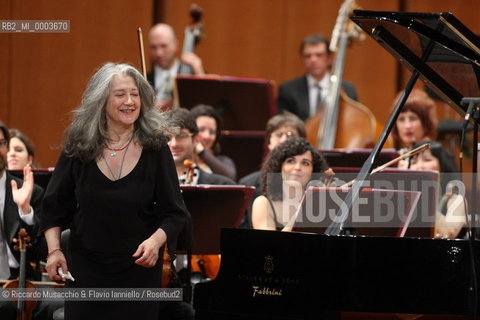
{"x":302,"y":96}
{"x":163,"y":45}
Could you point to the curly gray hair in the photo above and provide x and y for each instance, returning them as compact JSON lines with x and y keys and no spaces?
{"x":87,"y":134}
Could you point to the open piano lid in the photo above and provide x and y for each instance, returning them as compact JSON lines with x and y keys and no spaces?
{"x":451,"y":68}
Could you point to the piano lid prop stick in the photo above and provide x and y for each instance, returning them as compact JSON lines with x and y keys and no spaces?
{"x":329,"y":174}
{"x":289,"y":226}
{"x":397,"y":159}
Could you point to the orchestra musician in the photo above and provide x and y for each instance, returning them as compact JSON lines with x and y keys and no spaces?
{"x":207,"y":148}
{"x":115,"y":186}
{"x":182,"y":146}
{"x":163,"y":46}
{"x":417,"y":121}
{"x":20,"y":205}
{"x":285,"y":175}
{"x":20,"y":151}
{"x":302,"y":96}
{"x":279,"y":128}
{"x":450,"y":219}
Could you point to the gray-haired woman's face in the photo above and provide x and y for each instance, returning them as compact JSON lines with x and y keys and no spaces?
{"x":123,"y":103}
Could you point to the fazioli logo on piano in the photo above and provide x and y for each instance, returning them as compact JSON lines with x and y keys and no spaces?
{"x":266,"y":291}
{"x":268,"y":265}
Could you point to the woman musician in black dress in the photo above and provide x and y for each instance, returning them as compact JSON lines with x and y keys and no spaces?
{"x":286,"y":172}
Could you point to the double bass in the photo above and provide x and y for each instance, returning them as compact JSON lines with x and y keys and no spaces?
{"x":342,"y":122}
{"x":193,"y":34}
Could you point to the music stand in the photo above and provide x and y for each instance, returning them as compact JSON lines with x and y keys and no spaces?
{"x":234,"y":143}
{"x":41,"y":177}
{"x":243,"y":103}
{"x":355,"y":158}
{"x":377,"y":212}
{"x":213,"y":208}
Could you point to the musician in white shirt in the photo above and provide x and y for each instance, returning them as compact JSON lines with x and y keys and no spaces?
{"x":163,"y":46}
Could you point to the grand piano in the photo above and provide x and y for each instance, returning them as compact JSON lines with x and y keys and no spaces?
{"x":279,"y":275}
{"x":275,"y":275}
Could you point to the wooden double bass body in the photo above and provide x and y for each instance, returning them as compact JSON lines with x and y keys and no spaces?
{"x":356,"y":126}
{"x":342,"y":122}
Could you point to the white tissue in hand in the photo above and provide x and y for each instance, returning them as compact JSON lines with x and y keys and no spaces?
{"x":65,"y":276}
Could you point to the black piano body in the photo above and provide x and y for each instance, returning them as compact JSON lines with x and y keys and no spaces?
{"x":278,"y":275}
{"x":275,"y":275}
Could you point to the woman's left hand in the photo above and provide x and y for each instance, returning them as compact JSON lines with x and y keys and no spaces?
{"x":147,"y":251}
{"x":23,"y":195}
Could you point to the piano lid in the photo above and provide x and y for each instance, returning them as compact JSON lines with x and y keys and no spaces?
{"x":443,"y":50}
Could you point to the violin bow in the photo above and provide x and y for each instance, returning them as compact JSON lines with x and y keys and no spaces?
{"x":397,"y":159}
{"x":142,"y":51}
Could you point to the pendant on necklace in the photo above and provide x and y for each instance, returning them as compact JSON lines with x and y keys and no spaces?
{"x":113,"y":153}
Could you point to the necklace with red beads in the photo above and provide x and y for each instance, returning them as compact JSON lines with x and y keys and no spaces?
{"x":113,"y":151}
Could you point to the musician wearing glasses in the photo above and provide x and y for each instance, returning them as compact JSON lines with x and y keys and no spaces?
{"x":182,"y":146}
{"x":116,"y":187}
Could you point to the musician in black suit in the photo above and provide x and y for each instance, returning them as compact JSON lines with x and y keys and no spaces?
{"x":163,"y":46}
{"x":303,"y":95}
{"x":20,"y":203}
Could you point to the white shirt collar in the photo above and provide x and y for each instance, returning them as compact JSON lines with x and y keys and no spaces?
{"x":173,"y":70}
{"x":324,"y":83}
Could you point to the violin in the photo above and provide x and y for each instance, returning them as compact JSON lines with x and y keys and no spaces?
{"x":190,"y":166}
{"x":342,"y":122}
{"x":205,"y":264}
{"x":24,"y":308}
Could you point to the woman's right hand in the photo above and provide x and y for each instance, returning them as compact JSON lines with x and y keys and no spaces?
{"x":56,"y":260}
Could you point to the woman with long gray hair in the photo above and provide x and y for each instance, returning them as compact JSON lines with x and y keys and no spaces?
{"x":115,"y":187}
